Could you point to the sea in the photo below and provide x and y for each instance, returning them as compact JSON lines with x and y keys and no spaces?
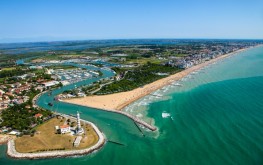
{"x":214,"y":116}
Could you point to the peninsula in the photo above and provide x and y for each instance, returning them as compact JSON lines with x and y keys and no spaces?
{"x":63,"y":142}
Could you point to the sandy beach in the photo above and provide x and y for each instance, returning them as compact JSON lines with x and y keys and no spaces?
{"x":118,"y":101}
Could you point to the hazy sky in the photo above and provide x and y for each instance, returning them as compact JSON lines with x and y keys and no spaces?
{"x":28,"y":20}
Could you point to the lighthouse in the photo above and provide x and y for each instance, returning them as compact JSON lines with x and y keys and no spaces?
{"x":79,"y":130}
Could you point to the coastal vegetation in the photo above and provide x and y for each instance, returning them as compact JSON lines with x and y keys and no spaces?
{"x":21,"y":117}
{"x":9,"y":60}
{"x":138,"y":77}
{"x":12,"y":75}
{"x":12,"y":72}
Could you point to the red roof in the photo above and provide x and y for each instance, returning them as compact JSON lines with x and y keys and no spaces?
{"x":64,"y":126}
{"x":38,"y":115}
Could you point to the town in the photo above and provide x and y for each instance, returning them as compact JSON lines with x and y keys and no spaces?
{"x":129,"y":82}
{"x":22,"y":81}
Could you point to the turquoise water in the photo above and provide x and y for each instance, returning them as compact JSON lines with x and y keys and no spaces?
{"x":216,"y":117}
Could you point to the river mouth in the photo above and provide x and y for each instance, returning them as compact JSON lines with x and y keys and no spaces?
{"x":200,"y":132}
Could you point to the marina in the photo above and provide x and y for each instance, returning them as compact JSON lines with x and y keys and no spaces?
{"x":73,"y":75}
{"x":171,"y":82}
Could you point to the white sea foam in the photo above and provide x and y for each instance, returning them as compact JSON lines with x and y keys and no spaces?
{"x":139,"y":115}
{"x":165,"y":115}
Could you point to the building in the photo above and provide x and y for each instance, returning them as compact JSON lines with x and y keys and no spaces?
{"x":36,"y":67}
{"x":14,"y":132}
{"x":40,"y":88}
{"x":54,"y":77}
{"x":64,"y":129}
{"x":65,"y":82}
{"x":81,"y":94}
{"x":38,"y":115}
{"x":22,"y":76}
{"x":50,"y":83}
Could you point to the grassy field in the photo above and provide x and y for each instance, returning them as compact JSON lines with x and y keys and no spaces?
{"x":57,"y":57}
{"x":141,"y":61}
{"x":2,"y":80}
{"x":46,"y":138}
{"x":9,"y":68}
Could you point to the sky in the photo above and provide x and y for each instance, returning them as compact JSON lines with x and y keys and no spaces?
{"x":47,"y":20}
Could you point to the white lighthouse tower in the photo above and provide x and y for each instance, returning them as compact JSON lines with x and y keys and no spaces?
{"x":79,"y":130}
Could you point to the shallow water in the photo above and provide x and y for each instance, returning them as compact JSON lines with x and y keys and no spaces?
{"x":216,"y":117}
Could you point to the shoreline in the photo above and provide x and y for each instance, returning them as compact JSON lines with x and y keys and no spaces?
{"x":11,"y":151}
{"x":117,"y":101}
{"x":5,"y":138}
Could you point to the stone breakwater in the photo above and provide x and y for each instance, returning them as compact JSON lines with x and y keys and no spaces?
{"x":11,"y":150}
{"x":5,"y":138}
{"x":137,"y":120}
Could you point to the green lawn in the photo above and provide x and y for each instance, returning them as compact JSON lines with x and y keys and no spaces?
{"x":10,"y":68}
{"x":142,"y":61}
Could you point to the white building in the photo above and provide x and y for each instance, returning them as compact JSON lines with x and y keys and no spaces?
{"x":64,"y":129}
{"x":14,"y":132}
{"x":50,"y":83}
{"x":81,"y":94}
{"x":65,"y":82}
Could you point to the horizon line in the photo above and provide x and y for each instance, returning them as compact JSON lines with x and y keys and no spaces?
{"x":103,"y":39}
